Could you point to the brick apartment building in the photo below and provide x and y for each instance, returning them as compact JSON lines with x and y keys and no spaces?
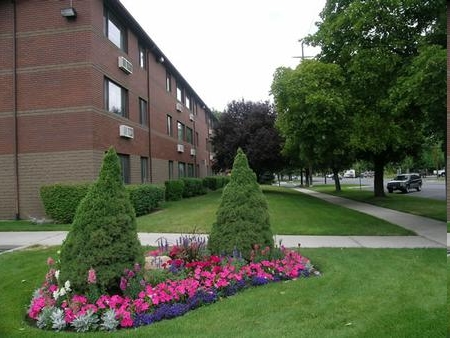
{"x":76,"y":80}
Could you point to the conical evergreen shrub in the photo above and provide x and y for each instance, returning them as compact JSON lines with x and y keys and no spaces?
{"x":103,"y":235}
{"x":242,"y":216}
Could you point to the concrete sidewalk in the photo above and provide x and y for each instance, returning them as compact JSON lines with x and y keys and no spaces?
{"x":430,"y":233}
{"x":427,"y":228}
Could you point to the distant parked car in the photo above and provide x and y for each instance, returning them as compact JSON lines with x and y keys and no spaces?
{"x":405,"y":182}
{"x":350,"y":173}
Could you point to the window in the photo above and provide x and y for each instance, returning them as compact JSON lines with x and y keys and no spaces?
{"x":179,"y":93}
{"x":144,"y":170}
{"x":143,"y":116}
{"x":181,"y":169}
{"x":180,"y":127}
{"x":168,"y":82}
{"x":116,"y":98}
{"x":114,"y":30}
{"x":125,"y":167}
{"x":188,"y":102}
{"x":189,"y":135}
{"x":170,"y":170}
{"x":191,"y":170}
{"x":169,"y":125}
{"x":142,"y":58}
{"x":196,"y":139}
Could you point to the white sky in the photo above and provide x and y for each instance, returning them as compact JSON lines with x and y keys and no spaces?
{"x":228,"y":50}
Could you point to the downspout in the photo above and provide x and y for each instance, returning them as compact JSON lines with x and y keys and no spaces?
{"x":148,"y":119}
{"x":16,"y":132}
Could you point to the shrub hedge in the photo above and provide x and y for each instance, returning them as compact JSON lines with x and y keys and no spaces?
{"x":193,"y":187}
{"x":215,"y":182}
{"x":174,"y":190}
{"x":61,"y":200}
{"x":146,"y":197}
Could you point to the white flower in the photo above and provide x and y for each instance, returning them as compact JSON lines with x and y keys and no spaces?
{"x":67,"y":285}
{"x":57,"y":274}
{"x":62,"y":292}
{"x":56,"y":294}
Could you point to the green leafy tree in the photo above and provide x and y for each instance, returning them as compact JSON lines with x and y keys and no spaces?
{"x":312,"y":101}
{"x":103,"y":235}
{"x":242,"y":216}
{"x":375,"y":43}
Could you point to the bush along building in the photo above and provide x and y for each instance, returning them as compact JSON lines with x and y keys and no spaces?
{"x":77,"y":77}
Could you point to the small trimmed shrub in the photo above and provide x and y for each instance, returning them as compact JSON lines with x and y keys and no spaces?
{"x":242,"y":216}
{"x":61,"y":200}
{"x":146,"y":197}
{"x":174,"y":190}
{"x":215,"y":182}
{"x":193,"y":187}
{"x":103,"y":235}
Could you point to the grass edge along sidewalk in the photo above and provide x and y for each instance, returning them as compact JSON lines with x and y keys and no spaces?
{"x":291,"y":212}
{"x":426,"y":227}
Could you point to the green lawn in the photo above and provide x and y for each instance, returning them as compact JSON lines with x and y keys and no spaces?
{"x":362,"y":293}
{"x":28,"y":226}
{"x":291,"y":212}
{"x":426,"y":207}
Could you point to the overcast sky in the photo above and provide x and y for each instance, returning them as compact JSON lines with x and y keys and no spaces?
{"x":228,"y":50}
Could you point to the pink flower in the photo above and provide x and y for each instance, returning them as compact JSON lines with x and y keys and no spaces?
{"x":50,"y":261}
{"x":92,"y":277}
{"x":37,"y":305}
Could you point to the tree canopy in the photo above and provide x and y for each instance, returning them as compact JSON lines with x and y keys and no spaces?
{"x":250,"y":126}
{"x":312,"y":114}
{"x":384,"y":48}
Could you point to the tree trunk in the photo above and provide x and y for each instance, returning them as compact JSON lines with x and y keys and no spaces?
{"x":337,"y":183}
{"x":378,"y":188}
{"x":307,"y":177}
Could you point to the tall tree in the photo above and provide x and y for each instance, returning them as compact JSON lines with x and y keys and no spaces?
{"x":250,"y":126}
{"x":312,"y":116}
{"x":374,"y":42}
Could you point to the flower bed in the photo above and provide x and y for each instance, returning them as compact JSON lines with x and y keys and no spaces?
{"x":191,"y":283}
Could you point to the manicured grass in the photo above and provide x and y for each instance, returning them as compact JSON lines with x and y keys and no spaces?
{"x":294,"y":213}
{"x":185,"y":216}
{"x":291,"y":213}
{"x":426,"y":207}
{"x":28,"y":226}
{"x":448,"y":298}
{"x":362,"y":293}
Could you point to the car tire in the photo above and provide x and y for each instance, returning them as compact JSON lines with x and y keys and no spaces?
{"x":390,"y":191}
{"x":406,"y":189}
{"x":418,"y":188}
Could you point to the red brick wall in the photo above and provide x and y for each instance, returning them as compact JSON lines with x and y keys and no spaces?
{"x":63,"y":128}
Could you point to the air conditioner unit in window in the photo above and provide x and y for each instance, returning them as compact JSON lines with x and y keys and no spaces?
{"x":211,"y":157}
{"x":210,"y":131}
{"x":179,"y":107}
{"x":125,"y":131}
{"x":191,"y":117}
{"x":180,"y":148}
{"x":193,"y":152}
{"x":125,"y":65}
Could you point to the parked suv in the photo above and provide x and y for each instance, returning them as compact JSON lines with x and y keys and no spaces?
{"x":404,"y":182}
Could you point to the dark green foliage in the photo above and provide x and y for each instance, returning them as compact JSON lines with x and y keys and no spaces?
{"x":174,"y":190}
{"x":215,"y":182}
{"x":103,"y":236}
{"x":146,"y":197}
{"x":61,"y":200}
{"x":242,"y":216}
{"x":193,"y":187}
